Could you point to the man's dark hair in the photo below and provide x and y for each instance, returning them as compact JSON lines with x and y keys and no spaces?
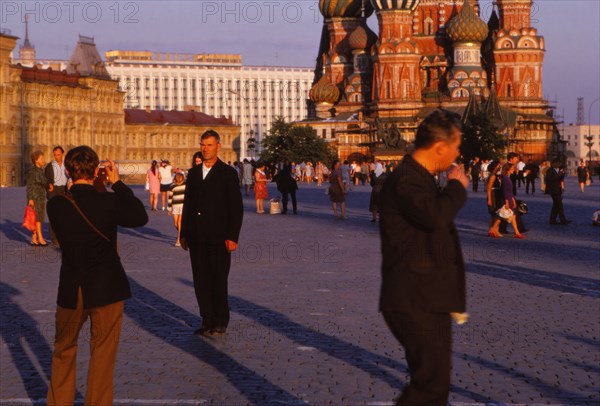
{"x":557,"y":161}
{"x":81,"y":162}
{"x":209,"y":134}
{"x":512,"y":155}
{"x":58,"y":147}
{"x":438,"y":126}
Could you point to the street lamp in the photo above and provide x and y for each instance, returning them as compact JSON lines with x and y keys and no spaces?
{"x":589,"y":137}
{"x":251,"y":144}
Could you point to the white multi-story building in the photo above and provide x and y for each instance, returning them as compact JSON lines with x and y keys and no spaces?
{"x":577,"y":144}
{"x":215,"y":84}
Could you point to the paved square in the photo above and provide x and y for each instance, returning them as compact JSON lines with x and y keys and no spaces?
{"x":305,"y":327}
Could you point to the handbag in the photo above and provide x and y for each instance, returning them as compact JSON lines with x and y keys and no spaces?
{"x":505,"y":213}
{"x":147,"y":186}
{"x":29,"y":218}
{"x":522,"y":207}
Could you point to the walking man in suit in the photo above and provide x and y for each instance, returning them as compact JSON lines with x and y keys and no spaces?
{"x":210,"y":227}
{"x":555,"y":178}
{"x":92,"y":280}
{"x":423,"y":273}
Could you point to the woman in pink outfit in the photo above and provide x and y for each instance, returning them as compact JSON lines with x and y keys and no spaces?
{"x":153,"y":181}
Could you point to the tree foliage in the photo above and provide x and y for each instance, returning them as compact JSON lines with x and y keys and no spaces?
{"x":286,"y":141}
{"x":482,"y":138}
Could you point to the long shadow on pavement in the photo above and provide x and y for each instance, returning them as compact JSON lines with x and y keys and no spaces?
{"x":548,"y":280}
{"x":169,"y":322}
{"x":19,"y":331}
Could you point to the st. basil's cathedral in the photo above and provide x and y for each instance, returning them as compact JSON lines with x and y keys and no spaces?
{"x":371,"y":91}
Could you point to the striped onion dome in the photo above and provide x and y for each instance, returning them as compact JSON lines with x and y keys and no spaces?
{"x":324,"y":92}
{"x":362,"y":37}
{"x":384,"y":5}
{"x":467,"y":26}
{"x":344,"y":8}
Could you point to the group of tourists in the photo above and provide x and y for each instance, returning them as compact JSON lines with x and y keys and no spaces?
{"x":416,"y":204}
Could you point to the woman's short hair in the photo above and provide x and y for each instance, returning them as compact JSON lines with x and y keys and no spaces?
{"x":35,"y":155}
{"x":438,"y":126}
{"x":81,"y":163}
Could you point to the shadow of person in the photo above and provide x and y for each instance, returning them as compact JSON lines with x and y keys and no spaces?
{"x":19,"y":331}
{"x":169,"y":322}
{"x":15,"y":231}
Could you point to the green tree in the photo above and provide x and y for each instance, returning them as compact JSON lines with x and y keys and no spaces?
{"x":286,"y":141}
{"x":482,"y":138}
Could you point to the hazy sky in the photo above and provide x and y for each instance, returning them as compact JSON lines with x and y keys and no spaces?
{"x":287,"y":33}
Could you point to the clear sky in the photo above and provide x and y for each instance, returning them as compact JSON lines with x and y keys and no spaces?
{"x":287,"y":32}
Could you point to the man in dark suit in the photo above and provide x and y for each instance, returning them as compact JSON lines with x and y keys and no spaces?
{"x":555,"y":178}
{"x":92,"y":280}
{"x":210,"y":227}
{"x":423,"y":273}
{"x":475,"y":173}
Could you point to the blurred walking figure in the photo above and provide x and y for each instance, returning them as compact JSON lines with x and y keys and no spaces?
{"x":337,"y":190}
{"x":92,"y":282}
{"x":423,"y":270}
{"x":346,"y":172}
{"x":260,"y":187}
{"x":153,"y":182}
{"x":475,"y":173}
{"x":542,"y":175}
{"x":509,"y":201}
{"x":531,"y":174}
{"x":494,"y":195}
{"x":57,"y":179}
{"x":37,"y":186}
{"x":176,"y":195}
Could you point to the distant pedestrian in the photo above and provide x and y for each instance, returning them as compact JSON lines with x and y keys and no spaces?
{"x":286,"y":185}
{"x":37,"y":187}
{"x":153,"y":185}
{"x":531,"y":174}
{"x":260,"y":187}
{"x":494,"y":195}
{"x":346,"y":172}
{"x":210,"y":227}
{"x":583,"y":175}
{"x":337,"y":190}
{"x":475,"y":173}
{"x":542,"y":175}
{"x":92,"y":282}
{"x":166,"y":179}
{"x":510,"y":203}
{"x":197,"y":159}
{"x":247,"y":176}
{"x":377,"y":180}
{"x":555,"y":185}
{"x":319,"y":173}
{"x":423,"y":272}
{"x":176,"y":195}
{"x":57,"y":179}
{"x":310,"y":172}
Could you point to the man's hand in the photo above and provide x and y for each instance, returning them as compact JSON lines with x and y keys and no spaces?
{"x":458,"y":174}
{"x":183,"y":243}
{"x":50,"y":188}
{"x":230,"y":246}
{"x":112,"y":172}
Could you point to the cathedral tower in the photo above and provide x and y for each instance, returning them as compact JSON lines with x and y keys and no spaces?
{"x":396,"y":58}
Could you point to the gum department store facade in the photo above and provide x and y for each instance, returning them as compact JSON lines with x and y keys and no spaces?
{"x":371,"y":90}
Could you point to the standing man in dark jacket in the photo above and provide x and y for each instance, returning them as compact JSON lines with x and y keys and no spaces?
{"x":423,"y":273}
{"x":555,"y":178}
{"x":475,"y":173}
{"x":92,"y":280}
{"x":287,"y":185}
{"x":210,"y":228}
{"x":57,"y":180}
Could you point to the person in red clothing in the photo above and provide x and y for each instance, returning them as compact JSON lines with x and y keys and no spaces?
{"x":260,"y":187}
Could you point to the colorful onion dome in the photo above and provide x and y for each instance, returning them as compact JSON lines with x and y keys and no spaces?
{"x":344,"y":8}
{"x":324,"y":92}
{"x":384,"y":5}
{"x":362,"y":38}
{"x":467,"y":26}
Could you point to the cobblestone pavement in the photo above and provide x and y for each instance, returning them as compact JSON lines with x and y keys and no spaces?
{"x":305,"y":327}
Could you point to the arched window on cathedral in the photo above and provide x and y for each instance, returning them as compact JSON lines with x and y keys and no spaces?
{"x":428,"y":26}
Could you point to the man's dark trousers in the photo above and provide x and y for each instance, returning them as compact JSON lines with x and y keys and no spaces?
{"x":427,"y":342}
{"x":285,"y":201}
{"x":530,"y":181}
{"x":557,"y":208}
{"x":210,"y":267}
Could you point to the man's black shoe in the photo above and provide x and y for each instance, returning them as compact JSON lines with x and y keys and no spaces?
{"x":219,"y":331}
{"x":553,"y":223}
{"x":564,"y":223}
